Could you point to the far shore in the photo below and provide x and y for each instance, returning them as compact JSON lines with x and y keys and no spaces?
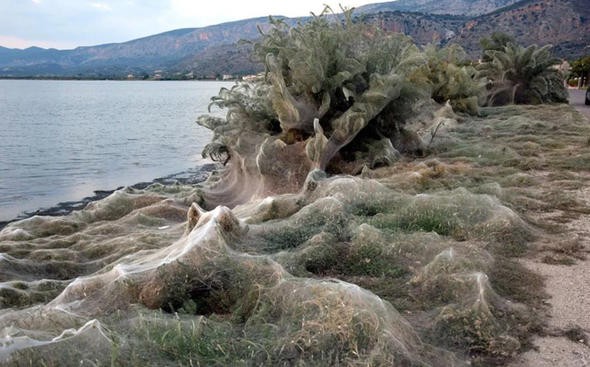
{"x":119,"y":79}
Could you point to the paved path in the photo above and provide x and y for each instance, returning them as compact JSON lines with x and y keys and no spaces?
{"x":577,"y":100}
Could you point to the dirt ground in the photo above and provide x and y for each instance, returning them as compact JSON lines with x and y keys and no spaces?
{"x":569,"y":289}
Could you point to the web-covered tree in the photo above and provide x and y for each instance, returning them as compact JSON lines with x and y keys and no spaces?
{"x":496,"y":42}
{"x":335,"y":97}
{"x":454,"y":79}
{"x":523,"y":76}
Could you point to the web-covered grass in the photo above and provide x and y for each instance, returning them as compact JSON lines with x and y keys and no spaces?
{"x":410,"y":265}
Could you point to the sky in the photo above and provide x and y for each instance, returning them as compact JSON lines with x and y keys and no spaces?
{"x":66,"y":24}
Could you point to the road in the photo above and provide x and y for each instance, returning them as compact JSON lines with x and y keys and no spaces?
{"x":577,"y":100}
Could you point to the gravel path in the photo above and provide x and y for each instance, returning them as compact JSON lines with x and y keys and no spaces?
{"x":569,"y":291}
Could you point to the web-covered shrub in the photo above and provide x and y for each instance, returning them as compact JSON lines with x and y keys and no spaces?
{"x":335,"y":96}
{"x":454,"y":79}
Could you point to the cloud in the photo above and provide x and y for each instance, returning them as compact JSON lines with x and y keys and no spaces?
{"x":70,"y":23}
{"x":190,"y":13}
{"x":100,"y":6}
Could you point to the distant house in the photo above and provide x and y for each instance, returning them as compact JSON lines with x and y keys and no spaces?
{"x":252,"y":77}
{"x":227,"y":77}
{"x":158,"y":74}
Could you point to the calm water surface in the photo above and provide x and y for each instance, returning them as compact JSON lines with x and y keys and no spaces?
{"x":61,"y":140}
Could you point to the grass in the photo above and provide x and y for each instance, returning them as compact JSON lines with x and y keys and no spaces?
{"x":415,"y":264}
{"x":512,"y":165}
{"x":154,"y":338}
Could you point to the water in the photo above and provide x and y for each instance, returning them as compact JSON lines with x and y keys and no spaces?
{"x":61,"y":140}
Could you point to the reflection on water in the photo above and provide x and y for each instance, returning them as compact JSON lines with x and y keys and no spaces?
{"x":61,"y":140}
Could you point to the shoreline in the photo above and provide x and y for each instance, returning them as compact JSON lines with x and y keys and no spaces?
{"x":122,"y":79}
{"x":191,"y":176}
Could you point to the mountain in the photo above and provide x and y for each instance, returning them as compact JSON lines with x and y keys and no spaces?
{"x":144,"y":55}
{"x":212,"y":51}
{"x":454,"y":7}
{"x":422,"y":28}
{"x":563,"y":23}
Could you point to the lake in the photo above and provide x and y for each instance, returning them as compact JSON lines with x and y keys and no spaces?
{"x":62,"y":140}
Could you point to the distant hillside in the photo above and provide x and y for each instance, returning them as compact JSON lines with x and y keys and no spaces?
{"x":563,"y":23}
{"x":456,"y":7}
{"x":217,"y":61}
{"x":163,"y":51}
{"x":423,"y":28}
{"x":210,"y":52}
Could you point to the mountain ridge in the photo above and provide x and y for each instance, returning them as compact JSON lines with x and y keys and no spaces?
{"x":212,"y":51}
{"x":455,"y":7}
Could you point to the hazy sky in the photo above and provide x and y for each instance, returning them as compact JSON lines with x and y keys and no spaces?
{"x":65,"y":24}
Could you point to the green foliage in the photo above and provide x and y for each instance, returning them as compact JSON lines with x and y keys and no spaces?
{"x":581,"y":68}
{"x":523,"y":76}
{"x":187,"y":341}
{"x":496,"y":42}
{"x":453,"y":79}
